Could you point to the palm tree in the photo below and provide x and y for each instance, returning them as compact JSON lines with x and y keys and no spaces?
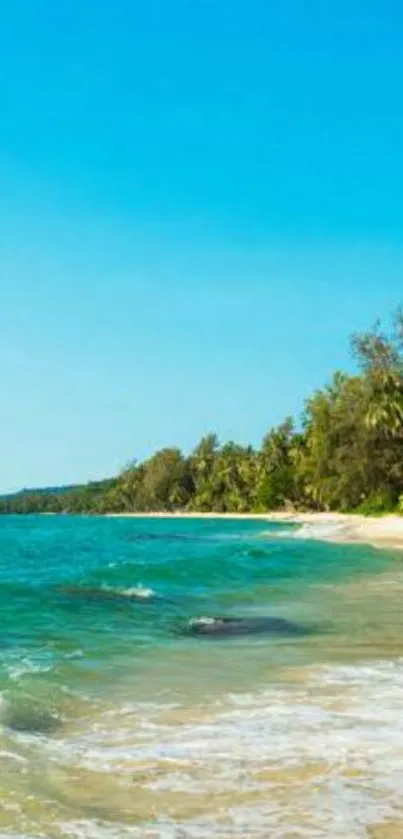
{"x":385,"y":409}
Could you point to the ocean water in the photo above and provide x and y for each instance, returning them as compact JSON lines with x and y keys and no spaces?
{"x":116,"y":722}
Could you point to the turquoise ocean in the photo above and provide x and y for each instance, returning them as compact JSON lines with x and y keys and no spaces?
{"x":117,"y":723}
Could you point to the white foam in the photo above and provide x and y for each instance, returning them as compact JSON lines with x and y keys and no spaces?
{"x":322,"y":531}
{"x":283,"y":533}
{"x":138,"y":591}
{"x":17,"y":836}
{"x":342,"y":720}
{"x":202,"y":621}
{"x":7,"y":755}
{"x":19,"y":663}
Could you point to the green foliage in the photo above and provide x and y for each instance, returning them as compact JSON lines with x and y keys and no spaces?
{"x":336,"y":466}
{"x":166,"y":481}
{"x":276,"y":484}
{"x":347,"y":455}
{"x":377,"y":504}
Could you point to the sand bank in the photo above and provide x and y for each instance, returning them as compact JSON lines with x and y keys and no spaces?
{"x":381,"y":532}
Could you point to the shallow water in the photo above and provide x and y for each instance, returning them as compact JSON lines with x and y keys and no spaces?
{"x":115,"y":723}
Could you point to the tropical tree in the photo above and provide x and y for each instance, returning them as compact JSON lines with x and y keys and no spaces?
{"x":380,"y":357}
{"x":347,"y":454}
{"x":166,"y":481}
{"x":276,"y":472}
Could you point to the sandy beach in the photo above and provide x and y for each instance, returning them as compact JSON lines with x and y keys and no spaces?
{"x":381,"y":532}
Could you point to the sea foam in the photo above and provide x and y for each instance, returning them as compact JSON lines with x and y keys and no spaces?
{"x":329,"y":746}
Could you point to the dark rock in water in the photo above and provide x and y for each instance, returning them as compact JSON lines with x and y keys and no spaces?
{"x":226,"y":627}
{"x":31,"y":719}
{"x":163,"y":537}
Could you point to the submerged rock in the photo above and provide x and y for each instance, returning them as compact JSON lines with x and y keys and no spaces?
{"x":226,"y":626}
{"x":29,"y":718}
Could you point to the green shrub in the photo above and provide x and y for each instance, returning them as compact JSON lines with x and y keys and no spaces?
{"x":378,"y":503}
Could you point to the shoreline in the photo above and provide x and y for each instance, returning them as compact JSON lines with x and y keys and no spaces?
{"x":379,"y":532}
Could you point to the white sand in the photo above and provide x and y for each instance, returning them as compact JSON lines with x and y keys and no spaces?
{"x":381,"y":532}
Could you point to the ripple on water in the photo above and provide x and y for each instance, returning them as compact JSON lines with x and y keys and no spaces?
{"x":252,"y":737}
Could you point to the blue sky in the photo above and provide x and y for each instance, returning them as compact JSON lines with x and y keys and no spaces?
{"x":199,"y":202}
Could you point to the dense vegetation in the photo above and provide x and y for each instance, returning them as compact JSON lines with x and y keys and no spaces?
{"x":346,"y":454}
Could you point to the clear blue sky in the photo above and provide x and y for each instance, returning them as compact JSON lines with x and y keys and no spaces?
{"x":199,"y":201}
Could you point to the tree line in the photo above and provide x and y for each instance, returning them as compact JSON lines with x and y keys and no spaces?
{"x":345,"y":454}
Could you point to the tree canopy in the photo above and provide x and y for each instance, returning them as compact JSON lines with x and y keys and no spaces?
{"x":345,"y":454}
